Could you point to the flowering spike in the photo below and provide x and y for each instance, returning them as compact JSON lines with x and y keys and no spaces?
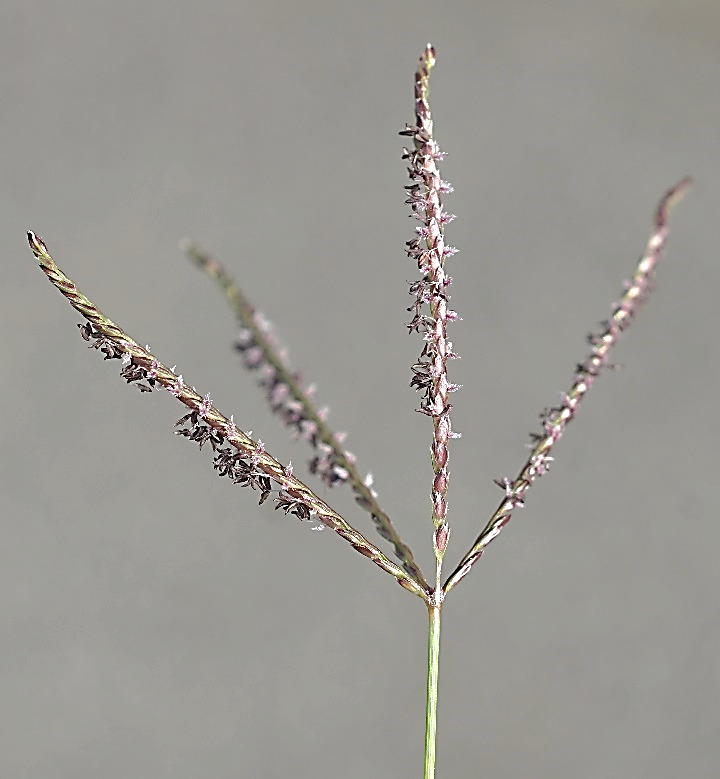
{"x":429,"y":251}
{"x":556,"y":419}
{"x":294,"y":403}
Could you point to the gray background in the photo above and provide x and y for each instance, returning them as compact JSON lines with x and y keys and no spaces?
{"x":154,"y":621}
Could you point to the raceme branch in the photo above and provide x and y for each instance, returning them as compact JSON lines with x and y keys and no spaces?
{"x":557,"y":418}
{"x":294,"y":404}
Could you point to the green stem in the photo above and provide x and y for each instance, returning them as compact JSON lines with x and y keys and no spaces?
{"x":432,"y":688}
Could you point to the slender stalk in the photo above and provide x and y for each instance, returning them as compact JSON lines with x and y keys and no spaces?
{"x":434,"y":613}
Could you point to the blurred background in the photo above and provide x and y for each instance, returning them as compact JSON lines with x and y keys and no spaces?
{"x":155,"y":621}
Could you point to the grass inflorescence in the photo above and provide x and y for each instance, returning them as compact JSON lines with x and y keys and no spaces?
{"x":246,"y":462}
